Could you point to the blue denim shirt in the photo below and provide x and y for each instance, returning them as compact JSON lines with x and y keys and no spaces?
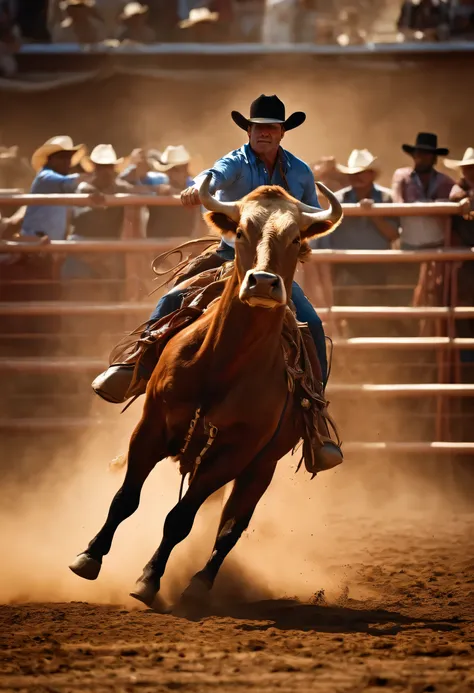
{"x":50,"y":220}
{"x":241,"y":171}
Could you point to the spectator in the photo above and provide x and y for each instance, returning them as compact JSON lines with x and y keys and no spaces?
{"x":173,"y":221}
{"x":97,"y":222}
{"x":83,"y":24}
{"x":52,"y":163}
{"x":362,"y":233}
{"x":32,"y":19}
{"x":350,"y":23}
{"x":463,"y":235}
{"x":422,"y":183}
{"x":142,"y":171}
{"x":15,"y":171}
{"x":134,"y":20}
{"x":9,"y":43}
{"x":424,"y":19}
{"x":326,"y":171}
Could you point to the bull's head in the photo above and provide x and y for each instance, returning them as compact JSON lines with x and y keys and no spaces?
{"x":270,"y":230}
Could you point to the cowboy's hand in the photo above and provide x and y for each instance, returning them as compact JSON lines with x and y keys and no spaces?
{"x":190,"y":197}
{"x":366,"y":202}
{"x":465,"y":207}
{"x":97,"y":199}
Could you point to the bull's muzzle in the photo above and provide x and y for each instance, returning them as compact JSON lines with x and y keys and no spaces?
{"x":263,"y":289}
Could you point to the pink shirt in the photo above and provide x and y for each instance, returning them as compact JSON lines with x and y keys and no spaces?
{"x":407,"y":187}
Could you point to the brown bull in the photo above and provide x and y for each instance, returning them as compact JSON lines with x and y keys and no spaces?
{"x":226,"y":374}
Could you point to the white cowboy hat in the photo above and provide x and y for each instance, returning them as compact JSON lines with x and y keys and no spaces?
{"x":132,"y":9}
{"x":467,"y":160}
{"x":59,"y":143}
{"x":199,"y":14}
{"x":76,"y":3}
{"x":359,"y":160}
{"x":171,"y":157}
{"x":103,"y":155}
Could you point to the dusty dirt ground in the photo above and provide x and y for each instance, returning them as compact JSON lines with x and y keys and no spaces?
{"x":404,"y":621}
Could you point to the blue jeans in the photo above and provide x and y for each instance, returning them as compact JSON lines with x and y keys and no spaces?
{"x":304,"y":312}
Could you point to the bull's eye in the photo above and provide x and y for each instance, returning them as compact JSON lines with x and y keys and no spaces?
{"x":297,"y":240}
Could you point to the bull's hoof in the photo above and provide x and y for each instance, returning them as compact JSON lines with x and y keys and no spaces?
{"x":195,"y":602}
{"x":146,"y":593}
{"x":86,"y":567}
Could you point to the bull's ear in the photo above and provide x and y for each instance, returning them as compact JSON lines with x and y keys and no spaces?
{"x":219,"y":222}
{"x":318,"y":229}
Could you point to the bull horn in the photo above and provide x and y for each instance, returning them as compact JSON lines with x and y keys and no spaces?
{"x":311,"y":215}
{"x":230,"y":209}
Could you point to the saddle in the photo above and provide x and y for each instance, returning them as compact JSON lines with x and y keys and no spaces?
{"x":142,"y":348}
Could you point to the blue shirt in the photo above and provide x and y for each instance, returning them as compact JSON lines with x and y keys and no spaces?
{"x":358,"y":233}
{"x":241,"y":171}
{"x":152,"y":178}
{"x":50,"y":220}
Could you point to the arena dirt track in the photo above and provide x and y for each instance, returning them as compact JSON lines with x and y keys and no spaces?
{"x":414,"y":631}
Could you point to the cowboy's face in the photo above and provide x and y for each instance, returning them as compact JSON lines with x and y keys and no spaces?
{"x":104,"y":175}
{"x":178,"y":176}
{"x":468,"y":174}
{"x":424,"y":161}
{"x":60,"y":162}
{"x":362,"y":180}
{"x":265,"y":138}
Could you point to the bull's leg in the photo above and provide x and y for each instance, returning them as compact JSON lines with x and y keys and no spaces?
{"x":178,"y":525}
{"x":248,"y":489}
{"x":147,"y":447}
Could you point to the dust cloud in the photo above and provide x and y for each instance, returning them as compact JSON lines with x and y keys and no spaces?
{"x":304,"y":537}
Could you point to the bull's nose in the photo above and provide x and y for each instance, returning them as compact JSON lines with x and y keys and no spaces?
{"x":263,"y":289}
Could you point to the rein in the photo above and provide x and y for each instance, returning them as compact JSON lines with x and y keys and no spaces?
{"x":208,"y":241}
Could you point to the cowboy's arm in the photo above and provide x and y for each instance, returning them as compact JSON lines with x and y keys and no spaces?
{"x":224,"y":173}
{"x":398,"y":186}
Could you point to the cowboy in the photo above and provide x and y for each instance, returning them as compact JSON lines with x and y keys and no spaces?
{"x":173,"y":221}
{"x":262,"y":161}
{"x":422,"y":183}
{"x":361,"y":233}
{"x":83,"y":23}
{"x":98,"y":222}
{"x":135,"y":28}
{"x":463,"y":235}
{"x":52,"y":163}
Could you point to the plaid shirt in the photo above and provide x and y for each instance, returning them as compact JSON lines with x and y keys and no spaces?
{"x":418,"y":232}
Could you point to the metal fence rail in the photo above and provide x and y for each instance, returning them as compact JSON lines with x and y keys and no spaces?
{"x":134,"y":248}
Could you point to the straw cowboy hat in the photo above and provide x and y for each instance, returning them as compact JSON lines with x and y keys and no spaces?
{"x":428,"y":142}
{"x":171,"y":157}
{"x":198,"y":15}
{"x":103,"y":155}
{"x":359,"y":160}
{"x":268,"y":109}
{"x":59,"y":143}
{"x":467,"y":160}
{"x":76,"y":3}
{"x":133,"y":9}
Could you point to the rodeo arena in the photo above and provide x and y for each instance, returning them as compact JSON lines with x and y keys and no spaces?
{"x":237,"y":346}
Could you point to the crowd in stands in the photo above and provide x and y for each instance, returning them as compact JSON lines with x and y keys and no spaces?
{"x":125,"y":22}
{"x":59,"y":166}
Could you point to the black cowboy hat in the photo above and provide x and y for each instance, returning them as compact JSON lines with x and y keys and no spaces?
{"x":268,"y":109}
{"x":426,"y":141}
